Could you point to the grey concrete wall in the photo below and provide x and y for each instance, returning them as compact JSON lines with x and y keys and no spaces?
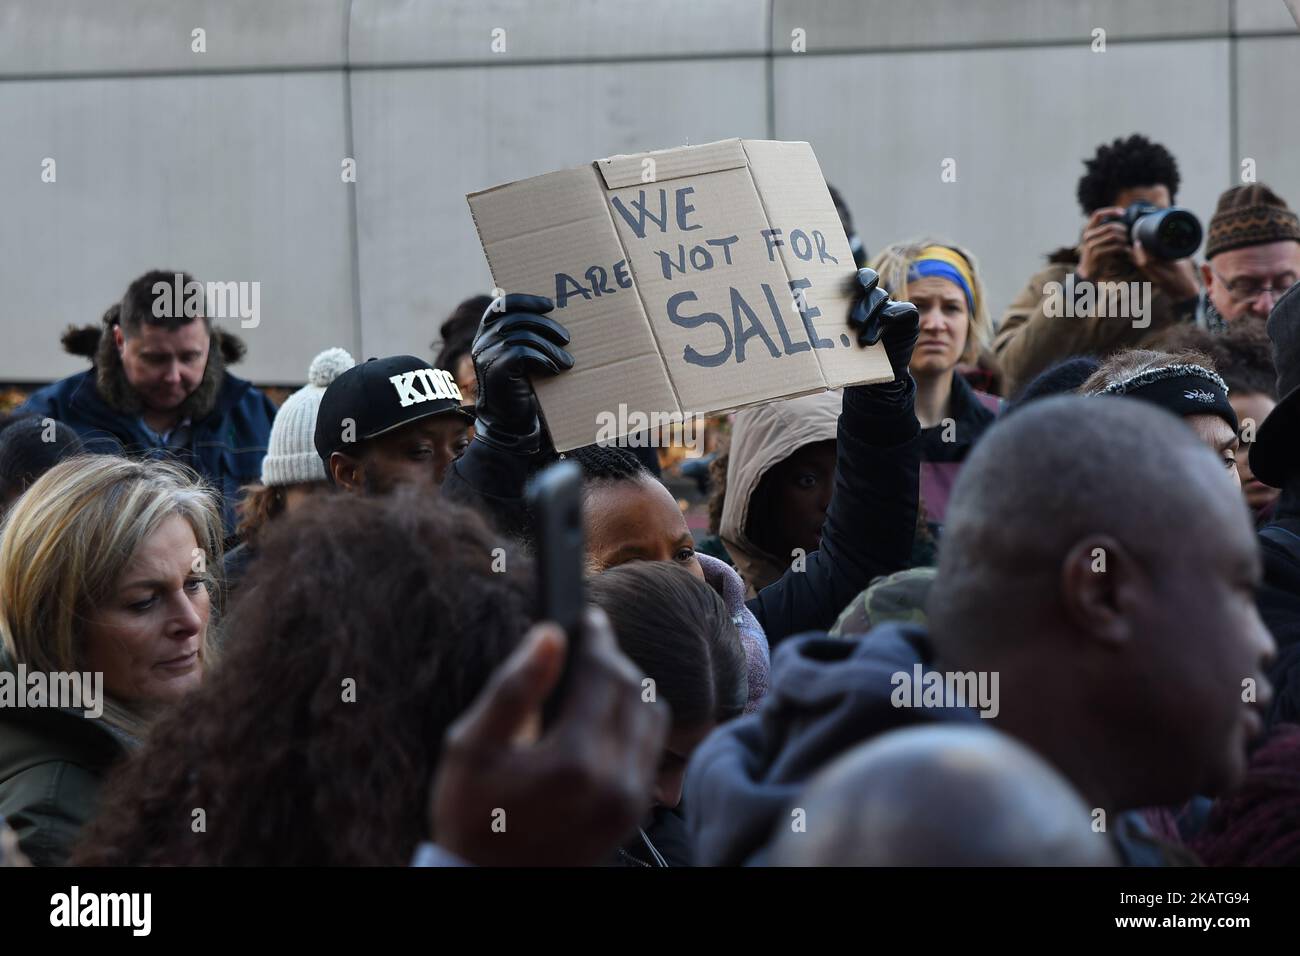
{"x":227,"y":162}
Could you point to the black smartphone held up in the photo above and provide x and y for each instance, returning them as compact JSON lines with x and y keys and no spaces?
{"x":555,"y":501}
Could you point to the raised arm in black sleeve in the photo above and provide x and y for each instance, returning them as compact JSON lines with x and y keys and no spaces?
{"x":872,"y":516}
{"x":516,"y":339}
{"x":492,"y":482}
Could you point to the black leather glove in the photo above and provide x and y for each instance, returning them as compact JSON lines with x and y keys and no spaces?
{"x":516,"y":339}
{"x":877,"y":318}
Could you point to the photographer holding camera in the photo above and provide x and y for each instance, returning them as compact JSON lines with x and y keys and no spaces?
{"x":1127,"y":238}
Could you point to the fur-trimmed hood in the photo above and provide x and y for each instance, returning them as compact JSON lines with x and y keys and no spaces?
{"x":96,"y":343}
{"x":761,"y":438}
{"x":230,"y":420}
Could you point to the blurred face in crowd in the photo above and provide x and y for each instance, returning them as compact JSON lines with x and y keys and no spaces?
{"x":1207,"y":649}
{"x":466,"y":380}
{"x":1252,"y":408}
{"x":797,"y":492}
{"x":417,"y":454}
{"x":636,"y":521}
{"x":296,"y":495}
{"x":1242,"y":282}
{"x":945,"y":326}
{"x":682,"y":742}
{"x":1156,"y":195}
{"x":1220,"y":438}
{"x":164,"y":366}
{"x":147,"y":637}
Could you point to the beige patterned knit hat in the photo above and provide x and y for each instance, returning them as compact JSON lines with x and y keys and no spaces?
{"x":1250,"y":216}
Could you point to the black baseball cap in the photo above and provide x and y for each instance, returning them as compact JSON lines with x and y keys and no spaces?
{"x":382,"y":394}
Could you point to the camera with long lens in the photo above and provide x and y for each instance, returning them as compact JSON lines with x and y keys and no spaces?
{"x":1173,"y":233}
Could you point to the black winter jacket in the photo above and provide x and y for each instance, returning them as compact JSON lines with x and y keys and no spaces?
{"x":1279,"y":603}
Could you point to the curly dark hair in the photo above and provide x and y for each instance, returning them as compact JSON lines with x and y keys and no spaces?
{"x":25,"y":454}
{"x":1124,"y":164}
{"x":1254,"y":825}
{"x":456,"y":334}
{"x":1242,"y":354}
{"x":396,"y":594}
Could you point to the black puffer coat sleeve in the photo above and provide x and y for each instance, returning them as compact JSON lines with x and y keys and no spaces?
{"x":872,"y":516}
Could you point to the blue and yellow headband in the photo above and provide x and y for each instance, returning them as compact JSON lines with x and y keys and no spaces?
{"x":944,"y":263}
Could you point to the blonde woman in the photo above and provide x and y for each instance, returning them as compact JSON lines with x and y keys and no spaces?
{"x":942,"y":281}
{"x":104,"y":571}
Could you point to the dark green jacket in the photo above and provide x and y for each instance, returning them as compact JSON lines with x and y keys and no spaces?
{"x":51,"y":765}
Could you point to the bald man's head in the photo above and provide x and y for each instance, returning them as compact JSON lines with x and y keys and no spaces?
{"x":942,"y":795}
{"x":1068,"y":468}
{"x":1093,"y":554}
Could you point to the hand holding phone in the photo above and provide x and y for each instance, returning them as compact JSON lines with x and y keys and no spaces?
{"x":595,"y":766}
{"x":555,"y":500}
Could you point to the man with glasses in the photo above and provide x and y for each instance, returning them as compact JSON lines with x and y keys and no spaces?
{"x":1252,"y":256}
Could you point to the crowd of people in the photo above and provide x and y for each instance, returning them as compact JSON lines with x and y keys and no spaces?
{"x":1034,"y":600}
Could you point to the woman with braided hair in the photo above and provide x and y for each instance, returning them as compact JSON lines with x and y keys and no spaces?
{"x":714,"y":642}
{"x":631,"y":516}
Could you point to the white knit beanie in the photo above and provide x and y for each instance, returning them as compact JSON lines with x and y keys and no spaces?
{"x":291,"y":456}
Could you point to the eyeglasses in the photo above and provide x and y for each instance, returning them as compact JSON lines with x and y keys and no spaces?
{"x":1246,"y":289}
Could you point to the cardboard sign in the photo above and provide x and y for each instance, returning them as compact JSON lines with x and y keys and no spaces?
{"x":692,"y":281}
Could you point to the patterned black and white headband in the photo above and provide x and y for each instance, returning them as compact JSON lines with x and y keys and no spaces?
{"x":1185,"y":390}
